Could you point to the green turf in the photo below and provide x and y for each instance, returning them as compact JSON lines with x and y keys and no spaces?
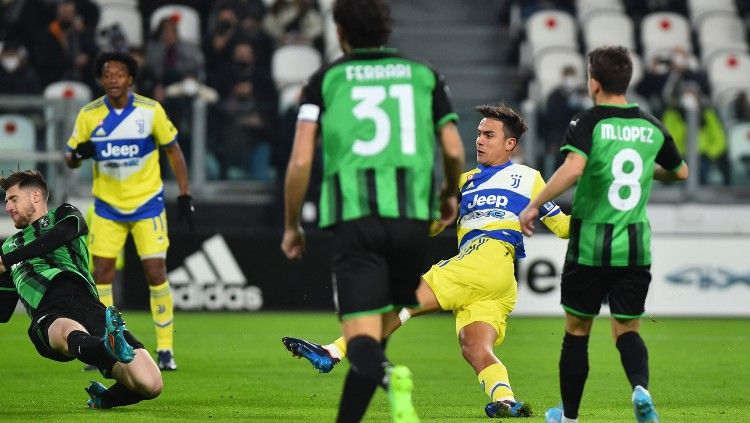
{"x":234,"y":367}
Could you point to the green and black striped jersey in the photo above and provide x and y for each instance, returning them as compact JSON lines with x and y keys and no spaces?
{"x":609,"y":225}
{"x":53,"y":244}
{"x":378,"y":113}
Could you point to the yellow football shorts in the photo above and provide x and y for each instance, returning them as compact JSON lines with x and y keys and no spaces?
{"x":107,"y":237}
{"x":478,"y":284}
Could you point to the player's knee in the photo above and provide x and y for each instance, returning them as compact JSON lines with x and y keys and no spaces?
{"x":475,"y":353}
{"x":150,"y":386}
{"x":155,"y":275}
{"x":104,"y":274}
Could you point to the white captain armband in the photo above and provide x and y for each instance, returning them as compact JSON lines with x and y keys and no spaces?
{"x":308,"y":112}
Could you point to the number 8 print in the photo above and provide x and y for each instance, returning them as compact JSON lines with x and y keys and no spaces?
{"x":626,"y":179}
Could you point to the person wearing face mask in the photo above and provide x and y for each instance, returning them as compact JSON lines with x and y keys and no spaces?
{"x":569,"y":98}
{"x":16,"y":77}
{"x":66,"y":49}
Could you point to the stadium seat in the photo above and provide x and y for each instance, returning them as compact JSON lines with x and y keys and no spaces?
{"x":293,"y":64}
{"x":664,"y":31}
{"x":549,"y":29}
{"x":188,"y":21}
{"x":637,"y":69}
{"x":330,"y":38}
{"x":728,"y":73}
{"x":127,"y":17}
{"x":587,"y":9}
{"x":130,"y":3}
{"x":289,"y":97}
{"x":548,"y":70}
{"x":609,"y":28}
{"x":700,"y":9}
{"x":17,"y":133}
{"x":739,"y":152}
{"x":721,"y":32}
{"x":68,"y":90}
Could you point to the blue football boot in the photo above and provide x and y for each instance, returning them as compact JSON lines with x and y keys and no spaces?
{"x":318,"y":356}
{"x":96,"y":391}
{"x":554,"y":415}
{"x":498,"y":409}
{"x":643,"y":406}
{"x":114,"y":339}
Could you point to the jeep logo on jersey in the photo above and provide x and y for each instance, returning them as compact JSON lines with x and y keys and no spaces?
{"x":481,"y":200}
{"x":125,"y":151}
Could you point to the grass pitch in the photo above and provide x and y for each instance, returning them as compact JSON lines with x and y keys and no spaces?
{"x":233,"y":367}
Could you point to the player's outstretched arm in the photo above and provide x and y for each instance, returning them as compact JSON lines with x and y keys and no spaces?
{"x":295,"y":187}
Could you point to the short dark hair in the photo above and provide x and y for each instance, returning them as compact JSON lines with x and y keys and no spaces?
{"x":365,"y":23}
{"x":612,"y":67}
{"x":513,"y":124}
{"x":25,"y":179}
{"x":116,"y":56}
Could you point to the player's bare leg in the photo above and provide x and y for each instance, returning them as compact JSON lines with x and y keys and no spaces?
{"x":477,"y":340}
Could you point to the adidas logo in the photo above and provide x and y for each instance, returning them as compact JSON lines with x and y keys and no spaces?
{"x":100,"y":133}
{"x":471,"y":185}
{"x":211,"y":279}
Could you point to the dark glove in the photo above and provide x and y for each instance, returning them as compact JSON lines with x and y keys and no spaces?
{"x":185,"y":210}
{"x":85,"y":150}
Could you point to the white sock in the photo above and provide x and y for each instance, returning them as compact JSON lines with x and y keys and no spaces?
{"x":567,"y":420}
{"x":334,"y":350}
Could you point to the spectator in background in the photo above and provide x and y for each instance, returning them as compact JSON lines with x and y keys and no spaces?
{"x":293,"y":21}
{"x":569,"y":98}
{"x":219,"y":41}
{"x":712,"y":144}
{"x":245,"y":114}
{"x":146,"y":82}
{"x":16,"y":76}
{"x":663,"y":81}
{"x":172,"y":59}
{"x":245,"y":152}
{"x":66,"y":49}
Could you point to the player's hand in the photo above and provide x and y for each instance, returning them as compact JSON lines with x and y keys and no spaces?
{"x":185,"y":210}
{"x":2,"y":266}
{"x":527,"y":218}
{"x":293,"y":243}
{"x":85,"y":150}
{"x":448,"y":209}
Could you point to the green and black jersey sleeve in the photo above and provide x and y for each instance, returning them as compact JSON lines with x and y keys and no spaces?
{"x":378,"y":114}
{"x":53,"y":244}
{"x":621,"y":144}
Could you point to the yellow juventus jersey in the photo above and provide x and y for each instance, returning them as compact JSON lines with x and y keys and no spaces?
{"x":492,"y":197}
{"x":127,"y":177}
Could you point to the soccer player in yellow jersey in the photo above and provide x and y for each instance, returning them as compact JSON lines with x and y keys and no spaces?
{"x":478,"y":284}
{"x":122,"y":133}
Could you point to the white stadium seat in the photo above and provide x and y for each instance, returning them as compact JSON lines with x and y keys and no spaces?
{"x":17,"y":133}
{"x":700,"y":9}
{"x":188,"y":21}
{"x":293,"y":64}
{"x":664,"y":30}
{"x":548,"y":70}
{"x":637,"y":69}
{"x":550,"y":28}
{"x":586,"y":9}
{"x":127,"y":17}
{"x":609,"y":29}
{"x":130,"y":3}
{"x":721,"y":32}
{"x":728,"y":73}
{"x":68,"y":90}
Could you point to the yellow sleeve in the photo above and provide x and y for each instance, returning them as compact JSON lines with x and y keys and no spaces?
{"x":550,"y":214}
{"x":559,"y":224}
{"x":164,"y":130}
{"x":81,"y":131}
